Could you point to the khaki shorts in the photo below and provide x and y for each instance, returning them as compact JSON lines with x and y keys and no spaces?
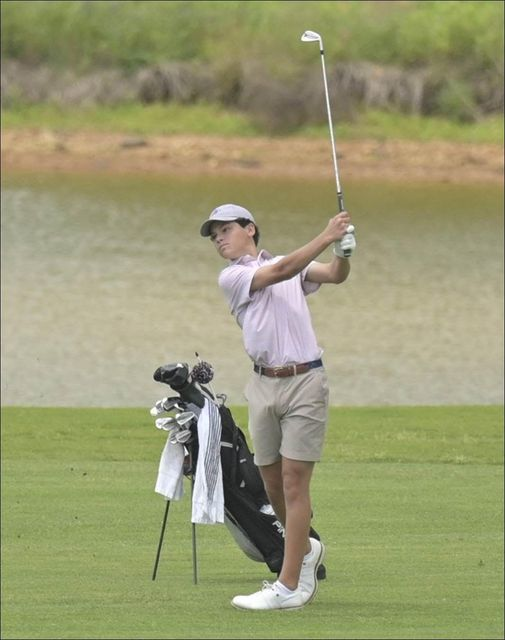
{"x":287,"y":416}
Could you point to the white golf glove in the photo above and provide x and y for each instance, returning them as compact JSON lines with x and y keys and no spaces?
{"x":345,"y":247}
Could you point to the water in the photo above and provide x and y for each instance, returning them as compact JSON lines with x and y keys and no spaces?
{"x":106,"y":278}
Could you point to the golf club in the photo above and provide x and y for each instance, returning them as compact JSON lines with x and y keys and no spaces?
{"x":166,"y":404}
{"x":166,"y":423}
{"x":181,"y":437}
{"x":312,"y":36}
{"x":184,"y":417}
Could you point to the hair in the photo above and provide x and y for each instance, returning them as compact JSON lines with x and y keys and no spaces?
{"x":243,"y":222}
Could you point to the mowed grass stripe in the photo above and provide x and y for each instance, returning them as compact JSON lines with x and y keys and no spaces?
{"x":414,"y":538}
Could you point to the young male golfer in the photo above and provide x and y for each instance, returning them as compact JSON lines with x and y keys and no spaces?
{"x":287,"y":394}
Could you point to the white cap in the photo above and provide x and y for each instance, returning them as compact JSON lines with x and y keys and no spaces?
{"x":225,"y":213}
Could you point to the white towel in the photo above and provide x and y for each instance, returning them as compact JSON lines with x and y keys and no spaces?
{"x":170,"y":472}
{"x":208,"y":494}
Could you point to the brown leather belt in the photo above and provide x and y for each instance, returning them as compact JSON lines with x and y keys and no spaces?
{"x":288,"y":370}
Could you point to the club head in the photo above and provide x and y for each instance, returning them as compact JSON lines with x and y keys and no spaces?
{"x":184,"y":417}
{"x":166,"y":423}
{"x":311,"y":36}
{"x":181,"y":437}
{"x":172,"y":403}
{"x":166,"y":404}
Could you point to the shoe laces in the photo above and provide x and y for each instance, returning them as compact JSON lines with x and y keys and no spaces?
{"x":267,"y":585}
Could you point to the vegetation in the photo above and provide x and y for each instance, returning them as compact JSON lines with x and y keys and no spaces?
{"x":138,"y":119}
{"x":129,"y":35}
{"x":442,"y":59}
{"x":210,"y":119}
{"x":409,"y":501}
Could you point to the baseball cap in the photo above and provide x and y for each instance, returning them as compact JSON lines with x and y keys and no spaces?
{"x":225,"y":213}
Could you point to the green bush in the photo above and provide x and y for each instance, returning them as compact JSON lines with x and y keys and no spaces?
{"x":248,"y":55}
{"x":456,"y":101}
{"x":84,"y":35}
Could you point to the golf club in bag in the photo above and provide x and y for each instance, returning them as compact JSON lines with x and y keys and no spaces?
{"x":248,"y":514}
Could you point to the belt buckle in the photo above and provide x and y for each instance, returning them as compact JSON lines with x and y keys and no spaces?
{"x":278,"y":371}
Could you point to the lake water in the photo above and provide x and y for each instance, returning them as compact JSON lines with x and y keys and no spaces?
{"x":106,"y":278}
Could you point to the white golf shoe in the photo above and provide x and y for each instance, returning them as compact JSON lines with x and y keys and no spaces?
{"x":308,"y":576}
{"x":269,"y":598}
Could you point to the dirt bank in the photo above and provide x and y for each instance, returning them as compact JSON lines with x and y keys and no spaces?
{"x":283,"y":157}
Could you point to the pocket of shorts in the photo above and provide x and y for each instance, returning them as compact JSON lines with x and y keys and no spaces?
{"x":324,"y":382}
{"x":324,"y":378}
{"x":246,"y":390}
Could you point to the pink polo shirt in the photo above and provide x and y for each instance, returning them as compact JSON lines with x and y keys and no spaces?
{"x":275,"y":321}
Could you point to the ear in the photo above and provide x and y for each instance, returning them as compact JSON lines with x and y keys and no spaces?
{"x":251,"y":229}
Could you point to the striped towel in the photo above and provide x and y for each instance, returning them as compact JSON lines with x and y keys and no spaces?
{"x":208,"y":494}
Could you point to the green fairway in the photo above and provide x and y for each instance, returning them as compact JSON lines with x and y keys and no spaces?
{"x":409,"y":501}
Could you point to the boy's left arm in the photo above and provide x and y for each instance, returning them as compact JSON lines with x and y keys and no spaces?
{"x":334,"y":272}
{"x":338,"y":269}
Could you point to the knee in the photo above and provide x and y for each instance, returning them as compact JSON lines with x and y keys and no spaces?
{"x":296,"y":478}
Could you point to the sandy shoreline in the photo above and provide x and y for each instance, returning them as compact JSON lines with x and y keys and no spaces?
{"x":44,"y":150}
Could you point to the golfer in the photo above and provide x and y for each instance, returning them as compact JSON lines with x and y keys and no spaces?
{"x":287,"y":393}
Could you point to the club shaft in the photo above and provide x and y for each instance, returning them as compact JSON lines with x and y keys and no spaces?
{"x":340,"y":195}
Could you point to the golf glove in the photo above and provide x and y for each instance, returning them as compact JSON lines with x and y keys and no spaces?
{"x":347,"y":244}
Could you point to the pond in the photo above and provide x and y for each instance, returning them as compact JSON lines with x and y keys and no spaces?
{"x":104,"y":278}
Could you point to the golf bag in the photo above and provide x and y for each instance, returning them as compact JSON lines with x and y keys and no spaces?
{"x":248,"y":514}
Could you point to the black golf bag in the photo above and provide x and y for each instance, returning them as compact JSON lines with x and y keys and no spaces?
{"x":248,"y":514}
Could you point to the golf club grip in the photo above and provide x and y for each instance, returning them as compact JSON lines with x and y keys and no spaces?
{"x":340,"y":196}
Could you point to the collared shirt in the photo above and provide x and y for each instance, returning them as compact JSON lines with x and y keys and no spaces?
{"x":275,"y":321}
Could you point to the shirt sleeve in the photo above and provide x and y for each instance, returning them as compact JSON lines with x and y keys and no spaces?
{"x":235,"y":282}
{"x":308,"y":287}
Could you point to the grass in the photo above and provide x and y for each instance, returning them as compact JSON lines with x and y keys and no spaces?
{"x":209,"y":119}
{"x":408,"y":500}
{"x":155,"y":119}
{"x":387,"y":125}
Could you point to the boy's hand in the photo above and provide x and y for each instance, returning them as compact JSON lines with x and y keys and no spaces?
{"x":345,"y":247}
{"x":337,"y":226}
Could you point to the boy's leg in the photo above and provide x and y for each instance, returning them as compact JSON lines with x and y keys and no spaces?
{"x":288,"y":488}
{"x":272,"y":479}
{"x":287,"y":484}
{"x":296,"y":477}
